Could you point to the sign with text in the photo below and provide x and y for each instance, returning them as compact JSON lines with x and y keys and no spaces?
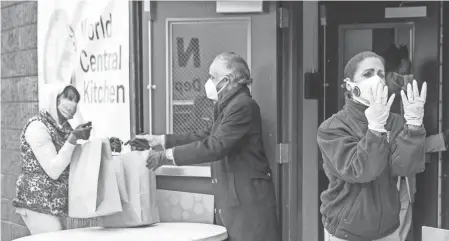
{"x":86,"y":44}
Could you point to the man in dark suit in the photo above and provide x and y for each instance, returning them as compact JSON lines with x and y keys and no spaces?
{"x":241,"y":174}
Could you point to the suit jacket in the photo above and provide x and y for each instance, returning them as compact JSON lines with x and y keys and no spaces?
{"x":241,"y":174}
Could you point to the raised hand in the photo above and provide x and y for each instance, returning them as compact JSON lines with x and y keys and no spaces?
{"x":413,"y":103}
{"x":379,"y":109}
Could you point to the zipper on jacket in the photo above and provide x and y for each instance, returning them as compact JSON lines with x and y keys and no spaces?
{"x":381,"y":209}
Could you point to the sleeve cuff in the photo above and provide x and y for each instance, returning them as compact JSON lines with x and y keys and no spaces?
{"x":414,"y":127}
{"x":414,"y":130}
{"x":170,"y":156}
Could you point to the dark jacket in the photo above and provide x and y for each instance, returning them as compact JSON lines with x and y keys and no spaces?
{"x":362,"y":200}
{"x":241,"y":174}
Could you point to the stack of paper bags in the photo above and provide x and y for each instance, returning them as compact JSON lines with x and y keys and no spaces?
{"x":137,"y":187}
{"x":93,"y":189}
{"x":119,"y":190}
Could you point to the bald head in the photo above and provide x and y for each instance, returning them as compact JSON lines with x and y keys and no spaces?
{"x":233,"y":66}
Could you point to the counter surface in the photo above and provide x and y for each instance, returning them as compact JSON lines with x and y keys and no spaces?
{"x":156,"y":232}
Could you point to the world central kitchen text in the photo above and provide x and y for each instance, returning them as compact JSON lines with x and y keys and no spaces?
{"x":103,"y":60}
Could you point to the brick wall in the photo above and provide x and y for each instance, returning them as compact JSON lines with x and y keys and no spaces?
{"x":18,"y":100}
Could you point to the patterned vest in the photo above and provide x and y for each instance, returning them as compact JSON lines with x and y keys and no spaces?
{"x":35,"y":190}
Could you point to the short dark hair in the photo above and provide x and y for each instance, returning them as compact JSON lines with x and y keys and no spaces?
{"x":394,"y":57}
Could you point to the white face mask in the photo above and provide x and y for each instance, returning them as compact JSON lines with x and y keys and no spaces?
{"x":362,"y":91}
{"x":211,"y":89}
{"x":67,"y":108}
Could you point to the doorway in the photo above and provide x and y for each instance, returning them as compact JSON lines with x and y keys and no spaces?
{"x":375,"y":37}
{"x":366,"y":28}
{"x":179,"y":41}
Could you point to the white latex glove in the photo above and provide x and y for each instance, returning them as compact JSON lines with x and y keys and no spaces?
{"x":153,"y":140}
{"x":379,"y":108}
{"x":414,"y":103}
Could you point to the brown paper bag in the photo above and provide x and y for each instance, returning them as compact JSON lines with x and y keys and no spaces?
{"x":120,"y":175}
{"x":140,"y":183}
{"x":93,"y":189}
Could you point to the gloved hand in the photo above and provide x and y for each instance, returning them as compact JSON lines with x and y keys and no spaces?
{"x":379,"y":109}
{"x":414,"y":103}
{"x":153,"y":140}
{"x":81,"y":132}
{"x":138,"y":144}
{"x":116,"y":144}
{"x":157,"y":159}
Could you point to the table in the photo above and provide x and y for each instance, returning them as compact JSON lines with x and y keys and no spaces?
{"x":156,"y":232}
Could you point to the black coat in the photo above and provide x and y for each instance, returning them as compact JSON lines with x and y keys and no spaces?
{"x":241,"y":175}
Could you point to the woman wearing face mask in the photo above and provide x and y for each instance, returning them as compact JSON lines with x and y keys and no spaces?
{"x":47,"y":144}
{"x":241,"y":175}
{"x":365,"y":148}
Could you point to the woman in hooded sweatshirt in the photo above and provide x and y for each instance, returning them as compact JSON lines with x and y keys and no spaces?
{"x":365,"y":148}
{"x":47,"y":144}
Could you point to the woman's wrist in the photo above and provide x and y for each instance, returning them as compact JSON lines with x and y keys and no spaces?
{"x":72,"y":139}
{"x":414,"y":127}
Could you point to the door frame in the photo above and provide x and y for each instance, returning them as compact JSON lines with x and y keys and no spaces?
{"x":135,"y":67}
{"x":425,"y":214}
{"x":290,"y":119}
{"x":289,"y":82}
{"x":357,"y":26}
{"x":445,"y":116}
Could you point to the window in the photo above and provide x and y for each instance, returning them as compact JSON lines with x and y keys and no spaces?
{"x":192,"y":46}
